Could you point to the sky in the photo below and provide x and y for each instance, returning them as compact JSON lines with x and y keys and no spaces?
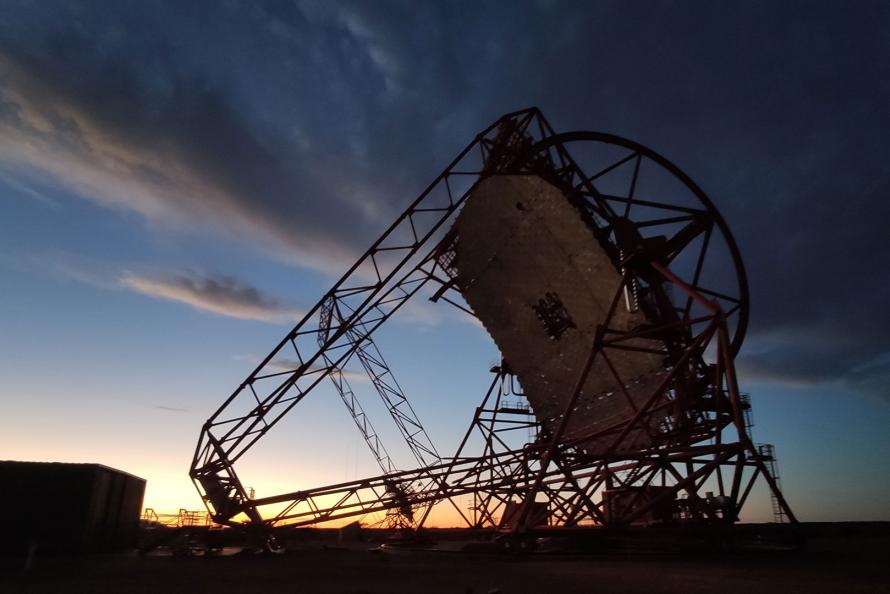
{"x":180,"y":180}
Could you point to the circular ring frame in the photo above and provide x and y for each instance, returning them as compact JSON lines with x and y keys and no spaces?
{"x":558,"y":140}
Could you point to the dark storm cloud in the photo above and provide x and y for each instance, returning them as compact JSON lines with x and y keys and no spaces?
{"x":321,"y":114}
{"x":223,"y":296}
{"x":176,"y":152}
{"x":779,"y":112}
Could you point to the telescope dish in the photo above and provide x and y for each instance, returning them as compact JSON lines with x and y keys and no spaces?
{"x":549,"y":267}
{"x":541,"y":284}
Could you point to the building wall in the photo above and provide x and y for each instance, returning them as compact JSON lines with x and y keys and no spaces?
{"x":68,"y":508}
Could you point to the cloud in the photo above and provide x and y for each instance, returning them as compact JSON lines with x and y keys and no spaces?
{"x":66,"y":266}
{"x":218,"y":294}
{"x":176,"y":152}
{"x":807,"y":356}
{"x":327,"y":117}
{"x":27,"y":189}
{"x":171,"y":408}
{"x":224,"y":296}
{"x":284,"y":364}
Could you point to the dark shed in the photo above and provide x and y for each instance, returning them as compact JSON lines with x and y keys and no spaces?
{"x":68,"y":508}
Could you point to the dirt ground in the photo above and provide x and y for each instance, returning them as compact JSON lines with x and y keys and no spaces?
{"x":861,"y":568}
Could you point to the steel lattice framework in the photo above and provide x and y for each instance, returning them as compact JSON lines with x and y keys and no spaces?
{"x":679,"y":265}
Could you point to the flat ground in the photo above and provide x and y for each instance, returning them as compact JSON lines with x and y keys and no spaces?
{"x":841,"y":565}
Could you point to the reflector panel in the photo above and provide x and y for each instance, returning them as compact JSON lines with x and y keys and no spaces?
{"x":541,"y":283}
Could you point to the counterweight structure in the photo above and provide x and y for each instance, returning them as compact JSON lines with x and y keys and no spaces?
{"x":618,"y":300}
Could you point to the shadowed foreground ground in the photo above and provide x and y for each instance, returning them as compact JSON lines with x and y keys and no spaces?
{"x":859,"y":568}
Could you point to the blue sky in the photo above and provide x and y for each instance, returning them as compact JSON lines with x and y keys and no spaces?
{"x":179,"y":180}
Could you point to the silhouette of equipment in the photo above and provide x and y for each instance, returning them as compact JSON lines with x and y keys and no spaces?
{"x":618,"y":300}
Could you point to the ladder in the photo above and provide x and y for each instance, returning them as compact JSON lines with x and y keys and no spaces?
{"x":745,"y":400}
{"x":768,"y":454}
